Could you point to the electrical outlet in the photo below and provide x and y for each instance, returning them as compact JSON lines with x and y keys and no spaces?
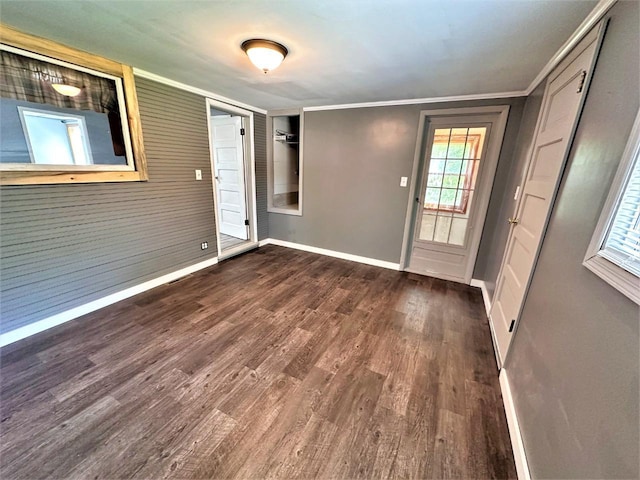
{"x":204,"y":245}
{"x":403,"y":181}
{"x":198,"y":174}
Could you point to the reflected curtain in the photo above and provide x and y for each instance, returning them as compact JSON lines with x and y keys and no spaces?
{"x":28,"y":79}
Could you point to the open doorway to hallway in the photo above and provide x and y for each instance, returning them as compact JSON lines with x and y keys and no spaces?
{"x":230,"y":133}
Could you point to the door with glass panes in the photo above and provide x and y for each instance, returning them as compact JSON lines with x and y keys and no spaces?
{"x":451,"y":200}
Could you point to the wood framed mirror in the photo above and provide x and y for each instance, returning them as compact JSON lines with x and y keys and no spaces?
{"x":67,"y":116}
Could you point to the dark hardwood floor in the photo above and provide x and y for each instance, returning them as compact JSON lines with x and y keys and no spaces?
{"x":274,"y":364}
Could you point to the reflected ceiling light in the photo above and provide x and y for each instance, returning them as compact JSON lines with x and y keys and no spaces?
{"x":66,"y":90}
{"x":267,"y":55}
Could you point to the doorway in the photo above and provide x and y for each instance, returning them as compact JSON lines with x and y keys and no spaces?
{"x":232,"y":166}
{"x":456,"y":158}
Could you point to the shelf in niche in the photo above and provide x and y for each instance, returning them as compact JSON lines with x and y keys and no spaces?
{"x":284,"y":128}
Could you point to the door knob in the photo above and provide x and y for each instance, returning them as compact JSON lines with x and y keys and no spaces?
{"x":513,"y":221}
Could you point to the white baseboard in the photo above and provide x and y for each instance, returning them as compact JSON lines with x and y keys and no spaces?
{"x":496,"y":348}
{"x":63,"y":317}
{"x":60,"y":318}
{"x":487,"y":306}
{"x":519,"y":455}
{"x":485,"y":294}
{"x":331,"y":253}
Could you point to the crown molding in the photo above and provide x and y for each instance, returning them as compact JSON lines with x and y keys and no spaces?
{"x":417,"y":101}
{"x":594,"y":17}
{"x":198,"y":91}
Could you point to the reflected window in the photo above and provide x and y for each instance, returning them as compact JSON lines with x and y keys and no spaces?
{"x":54,"y":138}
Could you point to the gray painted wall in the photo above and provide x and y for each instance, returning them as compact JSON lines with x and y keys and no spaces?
{"x":574,"y":362}
{"x":66,"y":245}
{"x":353,"y":161}
{"x":496,"y":229}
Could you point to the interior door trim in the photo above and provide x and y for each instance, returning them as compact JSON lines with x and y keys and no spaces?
{"x":420,"y":150}
{"x":249,"y":169}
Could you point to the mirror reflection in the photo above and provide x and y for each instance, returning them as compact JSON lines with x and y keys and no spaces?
{"x":54,"y":115}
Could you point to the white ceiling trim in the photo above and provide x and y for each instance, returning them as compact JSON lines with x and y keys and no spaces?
{"x":205,"y":93}
{"x":415,"y":101}
{"x":594,"y":17}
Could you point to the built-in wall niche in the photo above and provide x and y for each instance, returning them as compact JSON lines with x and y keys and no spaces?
{"x":284,"y":131}
{"x":67,"y":116}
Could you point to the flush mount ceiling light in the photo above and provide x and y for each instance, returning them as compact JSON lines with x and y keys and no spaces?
{"x":66,"y":90}
{"x":267,"y":55}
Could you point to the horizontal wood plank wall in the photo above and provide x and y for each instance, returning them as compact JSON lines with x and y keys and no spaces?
{"x":66,"y":245}
{"x":260,"y":139}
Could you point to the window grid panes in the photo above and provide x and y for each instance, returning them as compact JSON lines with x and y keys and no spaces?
{"x":453,"y":170}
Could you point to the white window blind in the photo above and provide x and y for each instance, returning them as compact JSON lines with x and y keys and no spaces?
{"x":622,"y":243}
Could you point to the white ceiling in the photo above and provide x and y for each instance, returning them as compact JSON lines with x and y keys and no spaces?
{"x":340,"y":52}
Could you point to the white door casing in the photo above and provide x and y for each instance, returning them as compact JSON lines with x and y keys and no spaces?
{"x":429,"y":255}
{"x":228,"y":163}
{"x":561,"y":105}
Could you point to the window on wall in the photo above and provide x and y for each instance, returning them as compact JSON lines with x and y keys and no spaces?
{"x":67,"y":116}
{"x":453,"y":168}
{"x":614,"y":252}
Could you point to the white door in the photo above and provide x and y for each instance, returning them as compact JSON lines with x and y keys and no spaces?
{"x":228,"y":164}
{"x":452,"y":197}
{"x":560,"y":108}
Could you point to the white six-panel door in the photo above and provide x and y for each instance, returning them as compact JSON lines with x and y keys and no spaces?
{"x":560,"y":108}
{"x":228,"y":161}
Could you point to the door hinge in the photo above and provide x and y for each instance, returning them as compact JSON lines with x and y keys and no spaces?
{"x":242,"y":131}
{"x":246,"y":222}
{"x":513,"y":323}
{"x":583,"y":77}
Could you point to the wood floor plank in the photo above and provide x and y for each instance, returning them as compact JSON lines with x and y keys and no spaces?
{"x":300,"y":365}
{"x":72,"y":433}
{"x":451,"y":446}
{"x":486,"y":434}
{"x":357,"y":446}
{"x":293,"y":416}
{"x":306,"y":452}
{"x":274,"y":364}
{"x":399,"y":378}
{"x":191,"y":448}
